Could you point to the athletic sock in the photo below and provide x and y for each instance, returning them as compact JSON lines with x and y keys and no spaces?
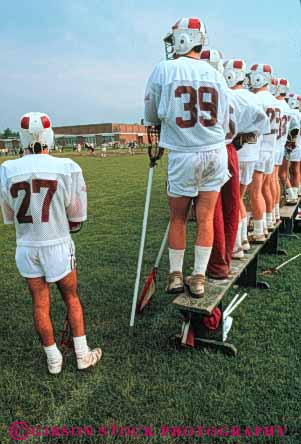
{"x":52,"y":352}
{"x":244,"y":229}
{"x":176,"y":258}
{"x":201,"y":259}
{"x":264,"y":221}
{"x":258,"y":227}
{"x":274,"y":215}
{"x":290,"y":193}
{"x":277,"y":211}
{"x":295,"y":191}
{"x":249,"y":215}
{"x":80,"y":346}
{"x":269,"y":218}
{"x":237,"y":244}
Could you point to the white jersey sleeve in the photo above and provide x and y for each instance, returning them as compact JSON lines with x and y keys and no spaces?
{"x":7,"y":211}
{"x":76,"y":205}
{"x":190,"y":99}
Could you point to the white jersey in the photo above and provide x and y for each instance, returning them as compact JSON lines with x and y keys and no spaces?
{"x":40,"y":194}
{"x":249,"y":116}
{"x":273,"y":111}
{"x":296,"y":124}
{"x":289,"y":121}
{"x":189,"y":99}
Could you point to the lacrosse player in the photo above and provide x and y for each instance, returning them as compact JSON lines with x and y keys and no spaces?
{"x":45,"y":197}
{"x":189,"y":99}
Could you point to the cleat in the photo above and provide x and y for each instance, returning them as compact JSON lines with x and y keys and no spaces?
{"x":195,"y":284}
{"x":245,"y":245}
{"x":55,"y":365}
{"x":291,"y":201}
{"x":257,"y":238}
{"x":90,"y":359}
{"x":238,"y":254}
{"x":175,"y":283}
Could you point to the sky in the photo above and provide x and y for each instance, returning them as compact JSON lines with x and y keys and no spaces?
{"x":87,"y":61}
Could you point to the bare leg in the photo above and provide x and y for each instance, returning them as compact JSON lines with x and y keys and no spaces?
{"x":179,"y":208}
{"x":204,"y":209}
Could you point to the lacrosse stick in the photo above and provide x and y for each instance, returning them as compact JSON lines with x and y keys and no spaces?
{"x":154,"y":153}
{"x":227,"y":319}
{"x":230,"y":305}
{"x":273,"y":270}
{"x":234,"y":306}
{"x":150,"y":284}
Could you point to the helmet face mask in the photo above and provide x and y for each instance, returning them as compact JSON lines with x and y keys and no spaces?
{"x":186,"y":34}
{"x":36,"y":127}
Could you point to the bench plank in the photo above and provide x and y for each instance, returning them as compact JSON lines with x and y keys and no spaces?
{"x":287,"y":211}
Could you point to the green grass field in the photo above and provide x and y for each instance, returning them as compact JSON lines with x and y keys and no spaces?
{"x":143,"y":380}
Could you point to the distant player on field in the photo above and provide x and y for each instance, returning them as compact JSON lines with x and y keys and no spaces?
{"x":45,"y":197}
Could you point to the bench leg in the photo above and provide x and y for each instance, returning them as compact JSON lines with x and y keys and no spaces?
{"x":248,"y":278}
{"x":203,"y":338}
{"x":271,"y":246}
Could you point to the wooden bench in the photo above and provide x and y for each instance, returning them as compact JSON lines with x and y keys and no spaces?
{"x":288,"y":215}
{"x":243,"y":273}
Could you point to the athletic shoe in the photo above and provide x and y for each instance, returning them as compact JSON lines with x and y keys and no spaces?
{"x":175,"y":283}
{"x":266,"y":232}
{"x":55,"y":365}
{"x":271,"y":227}
{"x":90,"y":359}
{"x":195,"y":283}
{"x":291,"y":201}
{"x":238,"y":254}
{"x":257,"y":238}
{"x":245,"y":245}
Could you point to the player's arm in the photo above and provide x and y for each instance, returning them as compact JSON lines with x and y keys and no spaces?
{"x":77,"y":205}
{"x":6,"y":209}
{"x":152,"y":98}
{"x":293,"y":132}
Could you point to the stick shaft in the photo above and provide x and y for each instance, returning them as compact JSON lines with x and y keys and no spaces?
{"x":230,"y":305}
{"x":286,"y":262}
{"x":162,"y":247}
{"x":237,"y":304}
{"x":142,"y":242}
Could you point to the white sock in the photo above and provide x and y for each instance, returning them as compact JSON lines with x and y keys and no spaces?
{"x":295,"y":191}
{"x":244,"y":229}
{"x":273,"y":215}
{"x":258,"y":227}
{"x":299,"y":189}
{"x":290,"y":193}
{"x":264,"y":221}
{"x":52,"y":352}
{"x":249,"y":215}
{"x":237,"y":244}
{"x":201,"y":259}
{"x":269,"y":218}
{"x":80,"y":346}
{"x":277,"y":211}
{"x":176,"y":258}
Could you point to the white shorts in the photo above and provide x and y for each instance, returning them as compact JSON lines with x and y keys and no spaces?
{"x":190,"y":173}
{"x":295,"y":155}
{"x":53,"y":262}
{"x":278,"y":159}
{"x":246,"y":170}
{"x":265,"y":163}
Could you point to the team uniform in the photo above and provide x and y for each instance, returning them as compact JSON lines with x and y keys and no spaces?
{"x":189,"y":99}
{"x":267,"y":143}
{"x":41,"y":194}
{"x":295,"y":154}
{"x":289,"y":121}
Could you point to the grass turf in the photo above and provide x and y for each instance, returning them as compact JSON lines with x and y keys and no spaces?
{"x":143,"y":380}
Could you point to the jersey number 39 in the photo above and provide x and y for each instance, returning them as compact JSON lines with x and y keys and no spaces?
{"x":193,"y":105}
{"x":37,"y":184}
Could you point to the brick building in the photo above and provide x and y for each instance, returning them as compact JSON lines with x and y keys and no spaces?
{"x":100,"y":133}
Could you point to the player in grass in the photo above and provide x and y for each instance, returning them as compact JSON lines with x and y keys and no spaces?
{"x":45,"y":197}
{"x":189,"y":99}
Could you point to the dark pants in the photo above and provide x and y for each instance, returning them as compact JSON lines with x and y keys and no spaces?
{"x":226,"y":218}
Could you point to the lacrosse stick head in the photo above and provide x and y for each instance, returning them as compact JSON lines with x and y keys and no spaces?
{"x":147,"y":291}
{"x":154,"y":152}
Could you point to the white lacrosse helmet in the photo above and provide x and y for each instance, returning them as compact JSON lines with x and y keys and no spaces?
{"x":214,"y":57}
{"x":292,"y":100}
{"x":185,"y":35}
{"x":261,"y":75}
{"x":283,"y":86}
{"x":36,"y":127}
{"x":235,"y":71}
{"x":273,"y":86}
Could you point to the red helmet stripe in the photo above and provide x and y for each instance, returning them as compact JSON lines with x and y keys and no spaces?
{"x":176,"y":25}
{"x":194,"y":23}
{"x":205,"y":55}
{"x":254,"y":67}
{"x":274,"y":81}
{"x":25,"y":123}
{"x":283,"y":82}
{"x":45,"y":122}
{"x":238,"y":64}
{"x":267,"y":68}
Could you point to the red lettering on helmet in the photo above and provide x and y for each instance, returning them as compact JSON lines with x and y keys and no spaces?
{"x":238,"y":64}
{"x":205,"y":55}
{"x":45,"y":122}
{"x":254,"y":67}
{"x":194,"y":23}
{"x":267,"y":68}
{"x":25,"y":123}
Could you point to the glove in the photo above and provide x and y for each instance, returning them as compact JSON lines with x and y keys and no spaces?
{"x":290,"y":144}
{"x":74,"y":227}
{"x":243,"y":138}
